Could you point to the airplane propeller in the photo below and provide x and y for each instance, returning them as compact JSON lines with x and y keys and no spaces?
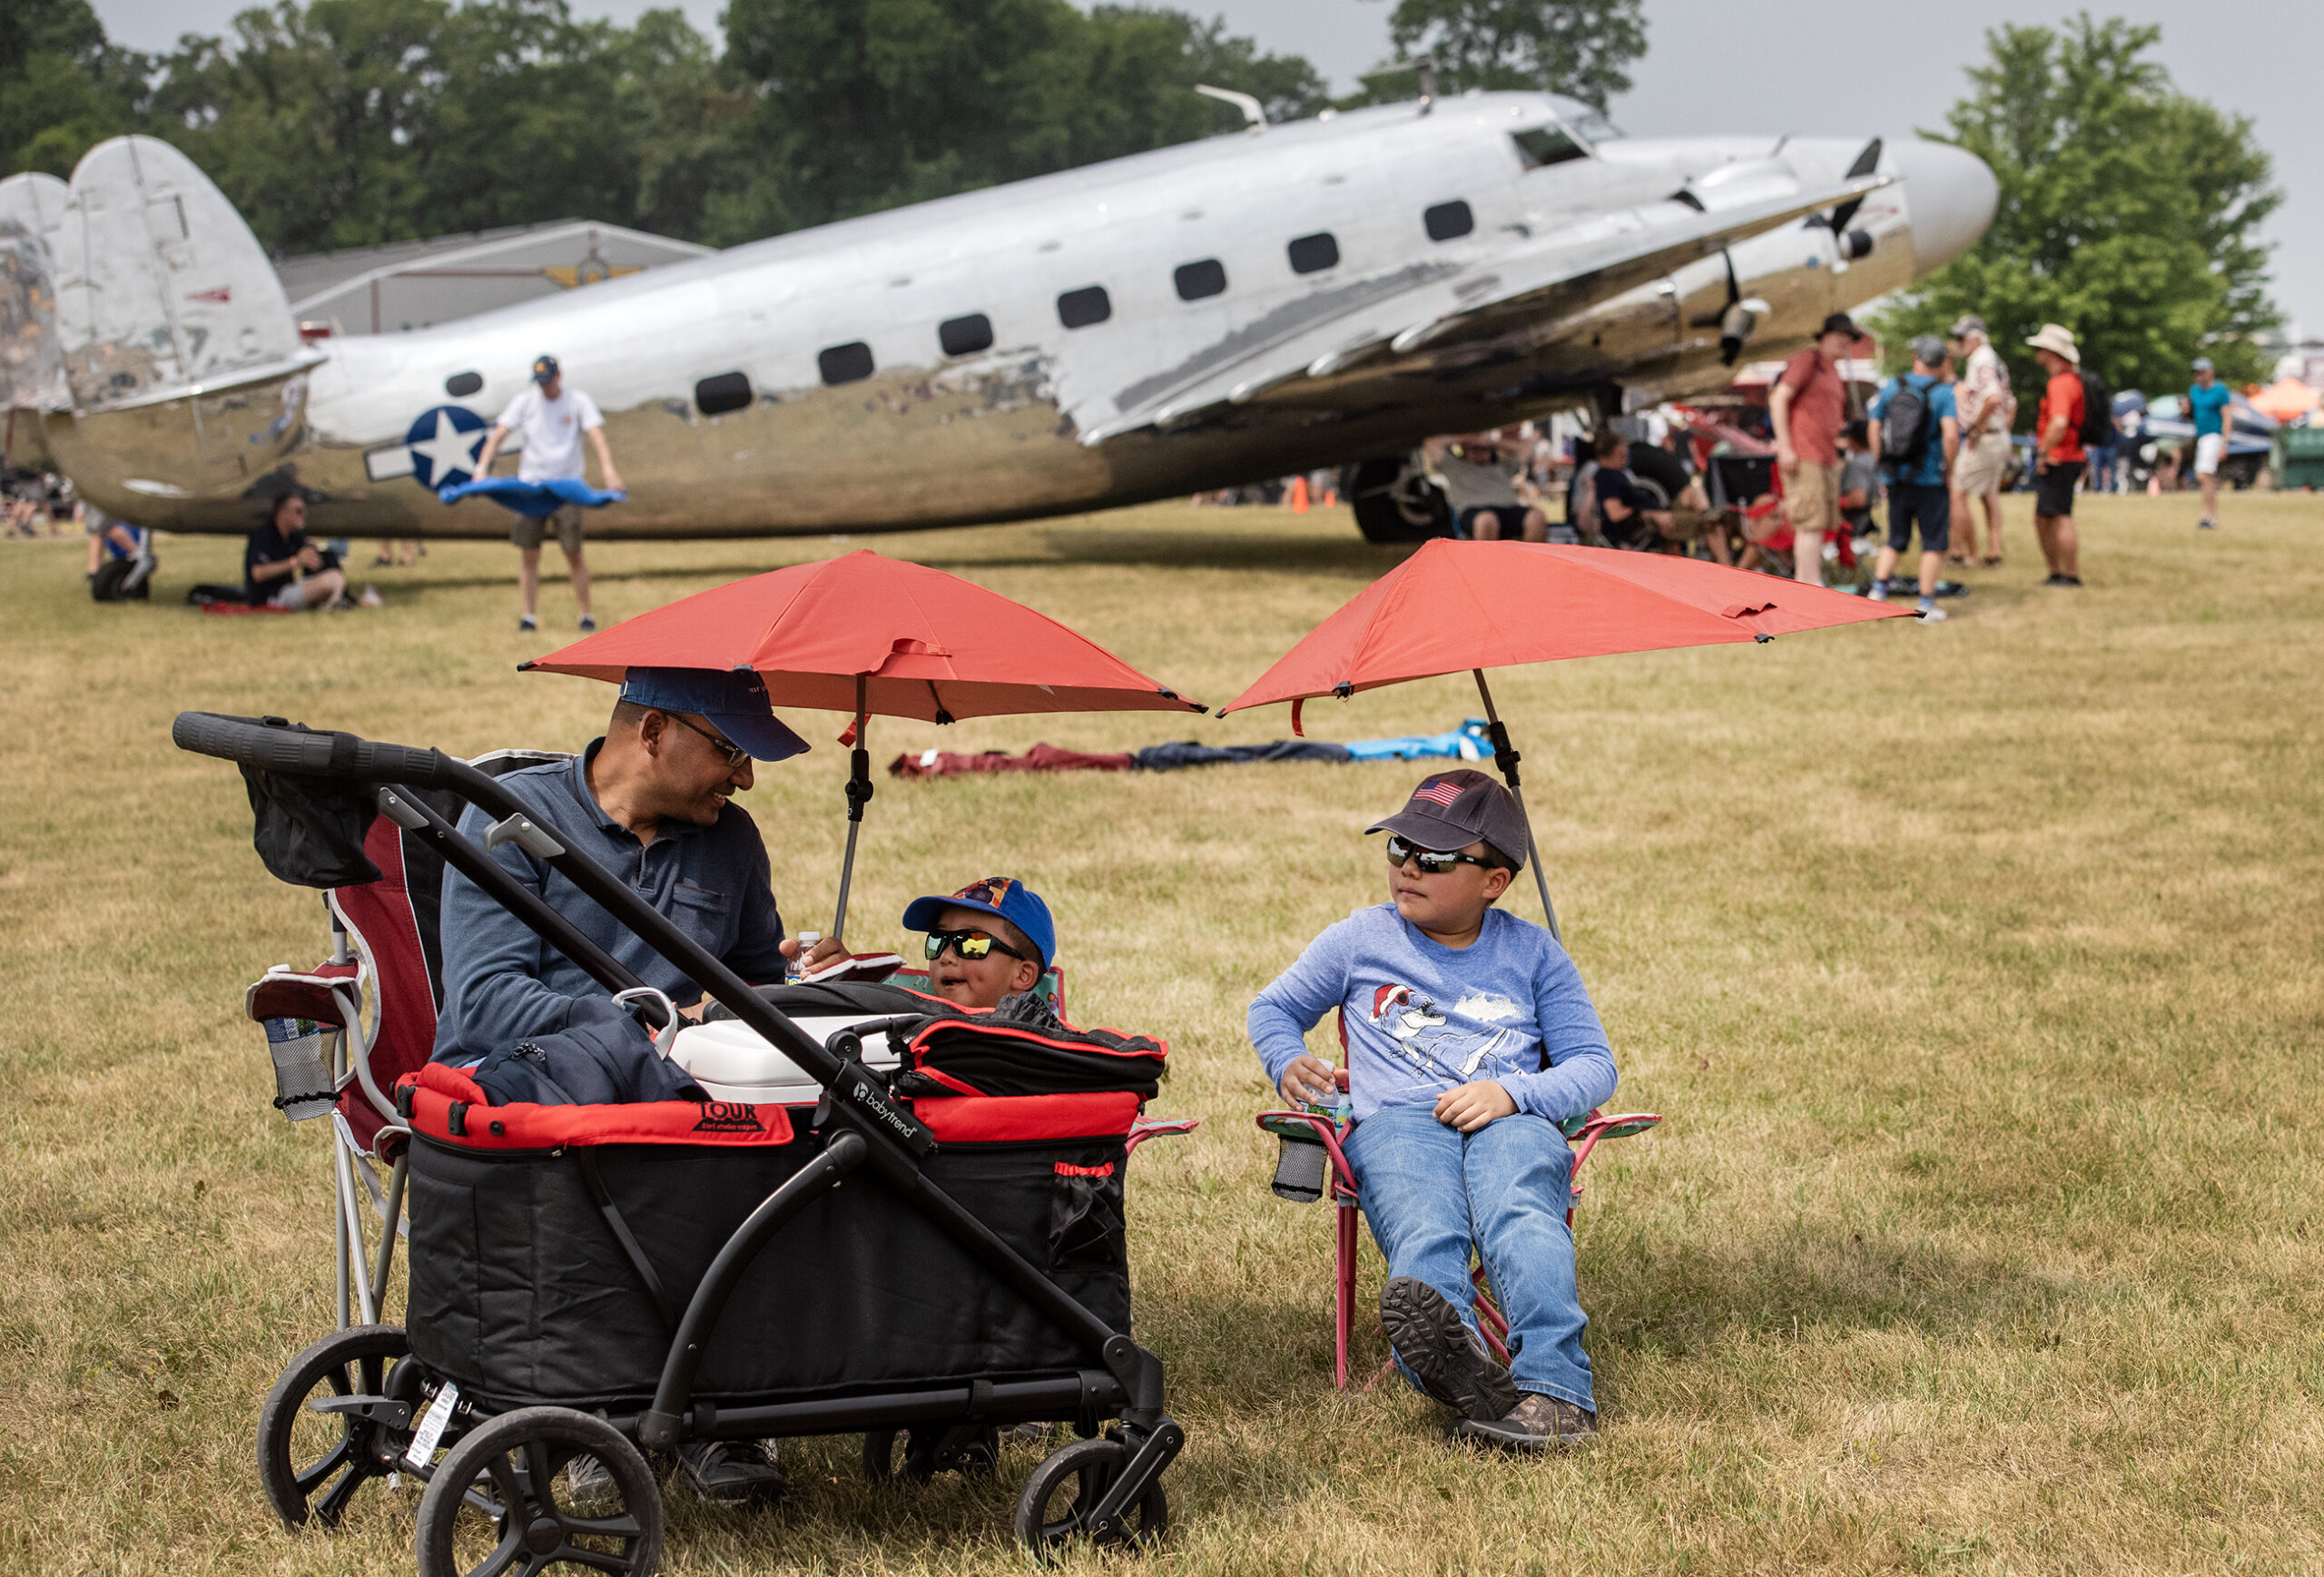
{"x":1867,"y":163}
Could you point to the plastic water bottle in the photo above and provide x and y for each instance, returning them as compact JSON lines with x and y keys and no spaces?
{"x":795,"y":969}
{"x":301,"y":1083}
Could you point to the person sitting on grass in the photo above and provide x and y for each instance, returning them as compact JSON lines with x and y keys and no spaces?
{"x":281,"y":569}
{"x":988,"y":946}
{"x":1470,"y":1037}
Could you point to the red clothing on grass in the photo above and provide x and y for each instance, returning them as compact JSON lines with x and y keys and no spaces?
{"x":1819,"y":406}
{"x":2062,"y":395}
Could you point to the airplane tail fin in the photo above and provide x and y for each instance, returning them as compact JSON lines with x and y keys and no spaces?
{"x":32,"y":369}
{"x":161,"y":289}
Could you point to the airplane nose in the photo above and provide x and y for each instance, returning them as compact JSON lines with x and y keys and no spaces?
{"x":1951,"y":197}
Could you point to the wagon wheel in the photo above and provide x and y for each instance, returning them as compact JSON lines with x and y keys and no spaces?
{"x":1054,"y":1505}
{"x":502,"y":1502}
{"x":969,"y":1449}
{"x":311,"y":1460}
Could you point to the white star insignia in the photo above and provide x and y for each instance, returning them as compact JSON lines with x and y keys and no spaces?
{"x":448,"y":456}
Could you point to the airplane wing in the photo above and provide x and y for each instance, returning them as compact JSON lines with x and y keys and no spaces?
{"x":1527,"y":290}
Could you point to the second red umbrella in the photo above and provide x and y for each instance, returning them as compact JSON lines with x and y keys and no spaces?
{"x":1473,"y":606}
{"x":874,"y":636}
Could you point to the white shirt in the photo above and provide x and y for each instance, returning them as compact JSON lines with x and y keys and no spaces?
{"x":552,"y":430}
{"x":1983,"y":395}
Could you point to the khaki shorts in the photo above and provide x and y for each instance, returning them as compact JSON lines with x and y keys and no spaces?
{"x":1689,"y":523}
{"x":528,"y":532}
{"x":1811,"y":498}
{"x":1982,"y":464}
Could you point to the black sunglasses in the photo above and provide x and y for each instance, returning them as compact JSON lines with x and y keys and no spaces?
{"x":734,"y":753}
{"x":1432,"y":864}
{"x":971,"y":945}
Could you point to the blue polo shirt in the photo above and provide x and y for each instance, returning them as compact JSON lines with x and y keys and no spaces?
{"x":1938,"y":396}
{"x":503,"y":984}
{"x":2209,"y":406}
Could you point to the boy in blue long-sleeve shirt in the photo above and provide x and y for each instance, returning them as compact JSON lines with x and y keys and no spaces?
{"x":1470,"y":1037}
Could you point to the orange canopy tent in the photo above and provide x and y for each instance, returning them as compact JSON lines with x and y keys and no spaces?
{"x":2286,"y":401}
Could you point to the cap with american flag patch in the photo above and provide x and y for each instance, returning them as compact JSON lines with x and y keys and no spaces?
{"x":1451,"y":810}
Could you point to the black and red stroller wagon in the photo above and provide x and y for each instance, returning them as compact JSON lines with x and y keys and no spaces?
{"x":925,"y":1241}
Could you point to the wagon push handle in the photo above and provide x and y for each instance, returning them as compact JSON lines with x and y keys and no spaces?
{"x":274,"y":745}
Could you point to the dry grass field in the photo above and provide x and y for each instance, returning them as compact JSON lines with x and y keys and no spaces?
{"x":1976,"y":968}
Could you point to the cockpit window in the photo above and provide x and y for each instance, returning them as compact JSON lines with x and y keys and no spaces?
{"x":1594,"y":128}
{"x":1540,"y":146}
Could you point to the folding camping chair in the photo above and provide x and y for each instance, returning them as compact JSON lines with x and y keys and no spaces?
{"x":1583,"y":1133}
{"x":374,"y":1001}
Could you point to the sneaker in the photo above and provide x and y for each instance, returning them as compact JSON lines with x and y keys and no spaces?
{"x":1537,"y":1422}
{"x":372,"y":597}
{"x":729,"y":1473}
{"x":2206,"y":525}
{"x":1934,"y":615}
{"x":589,"y":1483}
{"x":1451,"y":1361}
{"x":2063,"y":580}
{"x":1879,"y":592}
{"x":587,"y":623}
{"x":528,"y":623}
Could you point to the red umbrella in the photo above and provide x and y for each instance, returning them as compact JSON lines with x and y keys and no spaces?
{"x":867,"y":635}
{"x":1487,"y":605}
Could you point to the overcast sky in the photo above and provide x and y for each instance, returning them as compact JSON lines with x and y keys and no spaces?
{"x":1807,"y":66}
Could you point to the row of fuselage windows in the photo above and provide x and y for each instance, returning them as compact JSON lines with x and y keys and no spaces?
{"x":1079,"y":309}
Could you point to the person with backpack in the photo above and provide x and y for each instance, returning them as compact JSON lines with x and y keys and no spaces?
{"x":2077,"y":410}
{"x":1916,"y":429}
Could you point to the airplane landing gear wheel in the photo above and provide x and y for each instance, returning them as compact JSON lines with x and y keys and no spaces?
{"x":1054,"y":1508}
{"x":1395,"y":501}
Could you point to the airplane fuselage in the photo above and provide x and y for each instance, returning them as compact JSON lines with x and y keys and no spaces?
{"x":949,"y":363}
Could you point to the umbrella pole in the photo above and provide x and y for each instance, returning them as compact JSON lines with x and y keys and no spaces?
{"x":1505,"y":758}
{"x":859,"y":794}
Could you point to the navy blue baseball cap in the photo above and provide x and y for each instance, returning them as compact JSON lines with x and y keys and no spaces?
{"x":1005,"y":896}
{"x":734,"y":702}
{"x":544,"y":369}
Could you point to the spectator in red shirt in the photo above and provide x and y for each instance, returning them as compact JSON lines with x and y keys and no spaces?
{"x":2058,"y":454}
{"x":1808,"y":407}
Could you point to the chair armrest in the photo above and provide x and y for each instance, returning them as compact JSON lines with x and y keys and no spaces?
{"x":1598,"y":1126}
{"x":1141,"y":1131}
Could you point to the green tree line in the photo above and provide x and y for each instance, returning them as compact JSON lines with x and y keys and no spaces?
{"x":348,"y":123}
{"x":2130,"y":213}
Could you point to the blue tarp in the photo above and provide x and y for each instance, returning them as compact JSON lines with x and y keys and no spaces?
{"x":536,"y":499}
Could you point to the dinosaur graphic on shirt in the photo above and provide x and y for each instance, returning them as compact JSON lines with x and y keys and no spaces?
{"x":1424,"y":1038}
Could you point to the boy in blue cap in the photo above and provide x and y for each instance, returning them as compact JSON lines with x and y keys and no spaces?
{"x":988,"y":946}
{"x":1470,"y":1037}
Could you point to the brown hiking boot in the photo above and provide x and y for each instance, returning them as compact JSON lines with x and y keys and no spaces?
{"x":1537,"y":1422}
{"x":1451,"y":1361}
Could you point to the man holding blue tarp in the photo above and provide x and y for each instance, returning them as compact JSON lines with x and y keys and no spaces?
{"x":551,"y":420}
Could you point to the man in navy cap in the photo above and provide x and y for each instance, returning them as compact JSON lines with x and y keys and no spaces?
{"x":552,"y":420}
{"x":653,"y":801}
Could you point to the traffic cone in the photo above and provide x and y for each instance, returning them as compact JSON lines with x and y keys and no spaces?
{"x":1299,"y":494}
{"x":1331,"y":497}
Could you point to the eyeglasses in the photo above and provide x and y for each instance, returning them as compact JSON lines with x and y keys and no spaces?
{"x":1432,"y":864}
{"x":971,"y":945}
{"x":734,"y":753}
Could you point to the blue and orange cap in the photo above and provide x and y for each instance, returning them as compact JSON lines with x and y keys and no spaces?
{"x":1005,"y":896}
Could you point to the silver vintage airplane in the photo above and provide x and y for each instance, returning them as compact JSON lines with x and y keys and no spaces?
{"x":1317,"y":293}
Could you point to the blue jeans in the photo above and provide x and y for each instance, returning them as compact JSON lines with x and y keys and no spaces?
{"x":1430,"y":1192}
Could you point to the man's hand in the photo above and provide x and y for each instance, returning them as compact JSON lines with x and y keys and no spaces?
{"x":1310,"y":1079}
{"x":309,"y":559}
{"x":826,"y":951}
{"x":614,"y":483}
{"x":1472,"y":1106}
{"x":1787,"y":458}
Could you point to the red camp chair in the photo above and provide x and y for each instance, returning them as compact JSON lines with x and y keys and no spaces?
{"x":376,"y":1000}
{"x":1583,"y":1133}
